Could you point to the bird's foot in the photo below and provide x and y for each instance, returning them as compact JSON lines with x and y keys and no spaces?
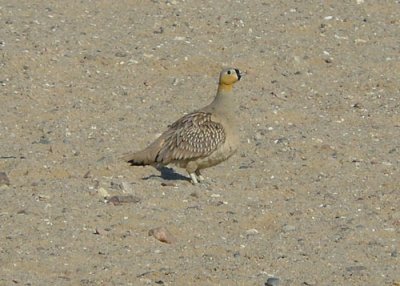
{"x":194,"y":178}
{"x":197,"y":178}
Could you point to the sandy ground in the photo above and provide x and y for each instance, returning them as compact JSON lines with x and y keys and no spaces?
{"x":311,"y":198}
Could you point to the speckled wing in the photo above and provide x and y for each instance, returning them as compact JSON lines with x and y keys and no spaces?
{"x":192,"y":136}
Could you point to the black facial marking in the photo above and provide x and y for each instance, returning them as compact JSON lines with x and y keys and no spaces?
{"x":238,"y":74}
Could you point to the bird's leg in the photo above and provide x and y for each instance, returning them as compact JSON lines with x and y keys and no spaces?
{"x":194,"y":179}
{"x":199,"y":176}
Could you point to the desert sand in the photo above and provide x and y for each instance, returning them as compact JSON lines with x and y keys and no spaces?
{"x":311,"y":198}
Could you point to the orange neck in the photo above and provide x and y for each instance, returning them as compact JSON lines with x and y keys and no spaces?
{"x":224,"y":87}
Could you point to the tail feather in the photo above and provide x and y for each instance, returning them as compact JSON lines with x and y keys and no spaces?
{"x":145,"y":157}
{"x":141,"y":158}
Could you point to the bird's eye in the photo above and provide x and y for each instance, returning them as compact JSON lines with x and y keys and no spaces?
{"x":228,"y":72}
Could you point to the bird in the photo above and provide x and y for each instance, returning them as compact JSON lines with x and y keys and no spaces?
{"x":200,"y":139}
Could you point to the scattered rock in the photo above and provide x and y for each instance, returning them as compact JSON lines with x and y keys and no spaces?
{"x":162,"y":234}
{"x":159,"y":31}
{"x":356,"y":268}
{"x":119,"y":200}
{"x":43,"y":140}
{"x":126,"y":187}
{"x":89,"y":57}
{"x":121,"y":185}
{"x":288,"y":227}
{"x":195,"y":207}
{"x":103,"y":192}
{"x":168,"y":184}
{"x":219,"y":203}
{"x":115,"y":185}
{"x":87,"y":175}
{"x":144,"y":274}
{"x":4,"y":180}
{"x":43,"y":197}
{"x":251,"y":232}
{"x":258,"y":136}
{"x":272,"y":281}
{"x":195,"y":195}
{"x":121,"y":54}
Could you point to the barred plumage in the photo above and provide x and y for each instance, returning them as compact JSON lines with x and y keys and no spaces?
{"x":194,"y":135}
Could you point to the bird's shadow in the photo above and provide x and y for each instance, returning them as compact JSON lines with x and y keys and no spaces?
{"x":167,"y":174}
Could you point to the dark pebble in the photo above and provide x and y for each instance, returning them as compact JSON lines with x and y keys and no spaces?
{"x":22,"y":212}
{"x":87,"y":175}
{"x":42,"y":140}
{"x":356,"y":268}
{"x":159,"y":31}
{"x":119,"y":200}
{"x":89,"y":57}
{"x":168,"y":184}
{"x":288,"y":228}
{"x":272,"y":281}
{"x":4,"y":180}
{"x":162,"y":234}
{"x":121,"y":54}
{"x":195,"y":195}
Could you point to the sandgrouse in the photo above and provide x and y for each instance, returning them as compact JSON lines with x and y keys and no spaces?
{"x":198,"y":140}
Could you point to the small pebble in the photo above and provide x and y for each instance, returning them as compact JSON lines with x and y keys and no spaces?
{"x":4,"y":180}
{"x":356,"y":268}
{"x":121,"y":54}
{"x":87,"y":175}
{"x":119,"y":200}
{"x":258,"y":136}
{"x":272,"y":281}
{"x":288,"y":227}
{"x":168,"y":184}
{"x":43,"y":197}
{"x":219,"y":203}
{"x":251,"y":231}
{"x":195,"y":195}
{"x":125,"y":186}
{"x":103,"y":193}
{"x":162,"y":234}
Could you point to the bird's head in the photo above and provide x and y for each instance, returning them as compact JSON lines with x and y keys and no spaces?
{"x":229,"y":76}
